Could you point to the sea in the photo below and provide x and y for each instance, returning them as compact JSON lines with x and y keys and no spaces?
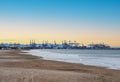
{"x":102,"y":58}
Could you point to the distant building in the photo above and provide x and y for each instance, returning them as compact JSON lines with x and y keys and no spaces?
{"x":98,"y":46}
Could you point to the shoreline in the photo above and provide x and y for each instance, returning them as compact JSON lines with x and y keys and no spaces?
{"x":37,"y":65}
{"x":63,"y":57}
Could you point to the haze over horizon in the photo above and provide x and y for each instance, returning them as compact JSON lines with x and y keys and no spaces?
{"x":84,"y":21}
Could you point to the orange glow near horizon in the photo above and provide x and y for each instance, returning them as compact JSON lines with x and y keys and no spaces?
{"x":23,"y":32}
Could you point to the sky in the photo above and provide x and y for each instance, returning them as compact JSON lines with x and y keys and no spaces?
{"x":84,"y":21}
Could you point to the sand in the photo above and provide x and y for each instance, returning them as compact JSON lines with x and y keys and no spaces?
{"x":16,"y":66}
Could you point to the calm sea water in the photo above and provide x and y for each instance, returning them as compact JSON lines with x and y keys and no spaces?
{"x":103,"y":58}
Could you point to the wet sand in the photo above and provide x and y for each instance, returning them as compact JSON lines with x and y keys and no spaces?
{"x":16,"y":66}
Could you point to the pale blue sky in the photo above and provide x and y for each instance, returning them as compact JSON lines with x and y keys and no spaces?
{"x":81,"y":20}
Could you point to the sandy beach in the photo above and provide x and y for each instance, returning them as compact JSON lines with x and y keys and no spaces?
{"x":16,"y":66}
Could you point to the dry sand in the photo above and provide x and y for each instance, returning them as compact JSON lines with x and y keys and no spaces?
{"x":16,"y":66}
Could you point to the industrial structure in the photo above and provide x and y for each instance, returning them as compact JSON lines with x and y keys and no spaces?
{"x":46,"y":45}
